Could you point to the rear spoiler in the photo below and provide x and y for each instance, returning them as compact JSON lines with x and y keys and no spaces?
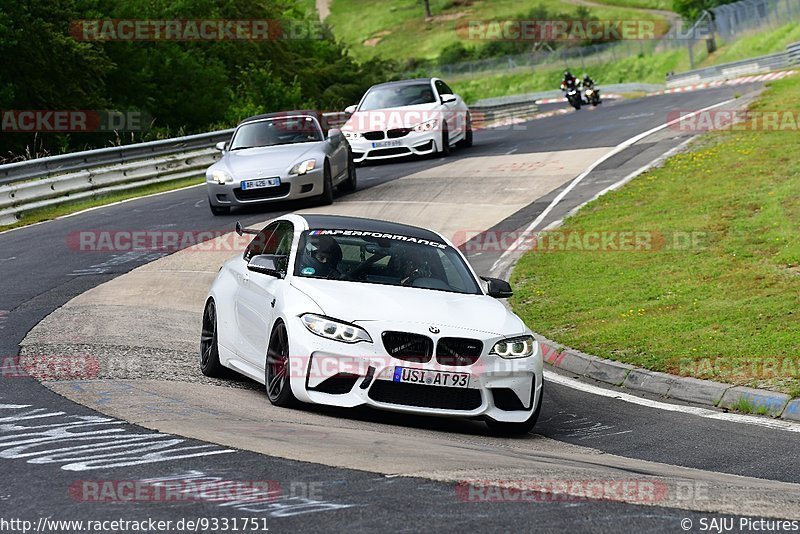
{"x":242,"y":230}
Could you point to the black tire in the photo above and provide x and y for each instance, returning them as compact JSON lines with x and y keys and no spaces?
{"x":467,"y":141}
{"x":326,"y":198}
{"x":351,"y":183}
{"x":516,"y":429}
{"x":219,"y":210}
{"x":445,"y":151}
{"x":577,"y":104}
{"x":209,"y":344}
{"x":276,"y":373}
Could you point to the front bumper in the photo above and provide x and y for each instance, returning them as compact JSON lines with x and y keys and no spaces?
{"x":292,"y":187}
{"x":411,"y":144}
{"x":349,"y":375}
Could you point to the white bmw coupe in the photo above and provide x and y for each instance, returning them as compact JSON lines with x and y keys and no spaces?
{"x":345,"y":311}
{"x":407,"y":118}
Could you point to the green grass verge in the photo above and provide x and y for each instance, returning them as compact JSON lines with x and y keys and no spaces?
{"x":52,"y":212}
{"x":757,"y":44}
{"x":727,"y":309}
{"x":663,"y":5}
{"x":643,"y":69}
{"x":400,"y":30}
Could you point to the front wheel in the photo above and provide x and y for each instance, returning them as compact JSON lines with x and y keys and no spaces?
{"x":276,"y":374}
{"x":209,"y":344}
{"x":219,"y":210}
{"x":516,"y":429}
{"x":351,"y":183}
{"x":445,"y":150}
{"x":467,"y":141}
{"x":326,"y":198}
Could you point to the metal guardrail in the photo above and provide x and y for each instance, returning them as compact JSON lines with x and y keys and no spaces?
{"x":47,"y":166}
{"x":53,"y":180}
{"x":757,"y":65}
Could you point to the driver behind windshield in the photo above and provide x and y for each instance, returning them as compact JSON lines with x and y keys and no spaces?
{"x":321,"y":257}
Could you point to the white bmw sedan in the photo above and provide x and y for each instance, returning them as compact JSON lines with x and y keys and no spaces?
{"x":346,"y":312}
{"x":405,"y":118}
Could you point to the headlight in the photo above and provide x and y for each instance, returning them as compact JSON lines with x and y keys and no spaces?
{"x":304,"y":167}
{"x":518,"y":347}
{"x":426,"y":126}
{"x":220,"y":177}
{"x":333,"y":329}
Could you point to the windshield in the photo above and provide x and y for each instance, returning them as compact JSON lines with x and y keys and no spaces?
{"x":278,"y":131}
{"x":394,"y":96}
{"x":387,"y":259}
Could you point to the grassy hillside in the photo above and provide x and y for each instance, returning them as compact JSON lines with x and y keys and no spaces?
{"x":397,"y":29}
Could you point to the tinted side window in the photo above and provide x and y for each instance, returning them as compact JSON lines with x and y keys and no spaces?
{"x":445,"y":89}
{"x":441,"y":88}
{"x":280,"y":242}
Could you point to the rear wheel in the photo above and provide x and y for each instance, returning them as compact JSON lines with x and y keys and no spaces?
{"x":219,"y":210}
{"x":467,"y":141}
{"x":499,"y":428}
{"x":276,"y":375}
{"x":209,"y":343}
{"x":326,"y":198}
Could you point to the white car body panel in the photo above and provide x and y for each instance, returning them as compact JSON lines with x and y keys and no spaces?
{"x":454,"y":113}
{"x":246,"y":317}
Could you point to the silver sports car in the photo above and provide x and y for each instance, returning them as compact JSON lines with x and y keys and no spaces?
{"x":280,"y":156}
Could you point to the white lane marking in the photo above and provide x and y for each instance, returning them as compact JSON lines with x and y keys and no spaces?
{"x":616,"y":150}
{"x":775,"y":424}
{"x":102,"y":442}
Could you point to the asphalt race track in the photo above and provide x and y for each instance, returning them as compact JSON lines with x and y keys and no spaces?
{"x":336,"y":470}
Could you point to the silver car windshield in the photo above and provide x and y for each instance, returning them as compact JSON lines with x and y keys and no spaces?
{"x":393,"y":96}
{"x":388,"y":259}
{"x":277,"y":131}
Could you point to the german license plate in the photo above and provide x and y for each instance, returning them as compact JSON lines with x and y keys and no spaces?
{"x":430,"y":378}
{"x":260,"y":183}
{"x":386,"y":144}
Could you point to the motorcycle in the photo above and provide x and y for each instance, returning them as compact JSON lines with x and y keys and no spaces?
{"x":592,"y":96}
{"x":573,"y":95}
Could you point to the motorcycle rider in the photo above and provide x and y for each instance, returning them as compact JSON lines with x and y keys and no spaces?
{"x":592,"y":95}
{"x":568,"y":81}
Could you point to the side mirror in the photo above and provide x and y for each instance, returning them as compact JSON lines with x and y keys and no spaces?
{"x":269,"y":264}
{"x":350,"y":109}
{"x":497,"y":288}
{"x":446,"y":99}
{"x":221,"y":146}
{"x":334,"y":134}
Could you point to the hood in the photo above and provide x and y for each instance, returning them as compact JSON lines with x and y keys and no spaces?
{"x":361,"y":302}
{"x":268,"y":160}
{"x":389,"y":118}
